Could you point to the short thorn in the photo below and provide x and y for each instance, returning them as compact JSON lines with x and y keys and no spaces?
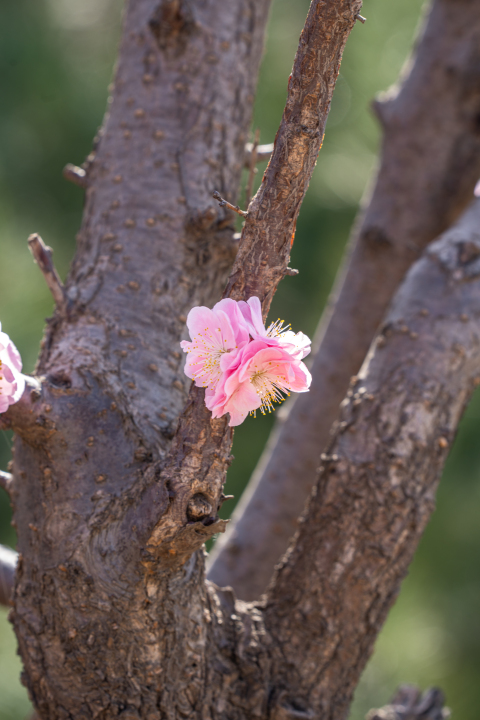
{"x":223,"y":498}
{"x":224,"y":203}
{"x":42,"y":254}
{"x":361,"y":18}
{"x":75,"y":174}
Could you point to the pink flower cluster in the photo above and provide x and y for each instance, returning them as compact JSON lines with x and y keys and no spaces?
{"x":12,"y":382}
{"x":243,"y":365}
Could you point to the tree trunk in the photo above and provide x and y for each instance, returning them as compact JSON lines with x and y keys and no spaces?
{"x":101,"y":634}
{"x":113,"y":498}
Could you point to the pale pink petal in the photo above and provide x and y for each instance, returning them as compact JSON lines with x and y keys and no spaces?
{"x":12,"y":382}
{"x":14,"y":356}
{"x":297,"y":344}
{"x":241,"y":403}
{"x":302,"y":378}
{"x":227,"y":333}
{"x":235,"y":318}
{"x":214,"y":333}
{"x":252,"y":312}
{"x":198,"y":319}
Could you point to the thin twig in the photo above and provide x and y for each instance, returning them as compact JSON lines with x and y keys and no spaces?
{"x":8,"y":563}
{"x":75,"y":174}
{"x":252,"y":169}
{"x":225,"y":203}
{"x":42,"y":255}
{"x":263,"y":153}
{"x":6,"y":481}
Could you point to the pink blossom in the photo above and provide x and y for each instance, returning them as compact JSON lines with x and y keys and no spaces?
{"x":298,"y":344}
{"x":217,"y":335}
{"x":243,"y":365}
{"x":12,"y":382}
{"x":258,"y":376}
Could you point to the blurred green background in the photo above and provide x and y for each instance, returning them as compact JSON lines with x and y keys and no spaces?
{"x":56,"y":59}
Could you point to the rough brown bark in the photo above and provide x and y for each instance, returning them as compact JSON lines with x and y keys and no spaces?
{"x":298,"y":654}
{"x":112,"y":612}
{"x":377,"y":481}
{"x":430,"y":162}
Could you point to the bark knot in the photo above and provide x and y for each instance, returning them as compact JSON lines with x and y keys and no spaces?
{"x":199,"y":508}
{"x":171,"y":23}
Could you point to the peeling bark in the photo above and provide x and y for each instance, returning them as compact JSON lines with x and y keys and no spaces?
{"x":429,"y":165}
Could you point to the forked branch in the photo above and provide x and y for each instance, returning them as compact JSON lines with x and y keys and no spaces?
{"x":424,"y":182}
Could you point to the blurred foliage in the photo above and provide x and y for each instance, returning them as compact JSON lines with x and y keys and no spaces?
{"x":56,"y":59}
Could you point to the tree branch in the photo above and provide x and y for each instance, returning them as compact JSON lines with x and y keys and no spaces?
{"x":269,"y":229}
{"x":376,"y":487}
{"x":8,"y":563}
{"x":262,"y":258}
{"x":425,"y":180}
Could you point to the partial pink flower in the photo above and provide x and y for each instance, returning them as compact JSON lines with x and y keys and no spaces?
{"x":216,"y":337}
{"x":12,"y":382}
{"x":258,"y":376}
{"x":298,"y":344}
